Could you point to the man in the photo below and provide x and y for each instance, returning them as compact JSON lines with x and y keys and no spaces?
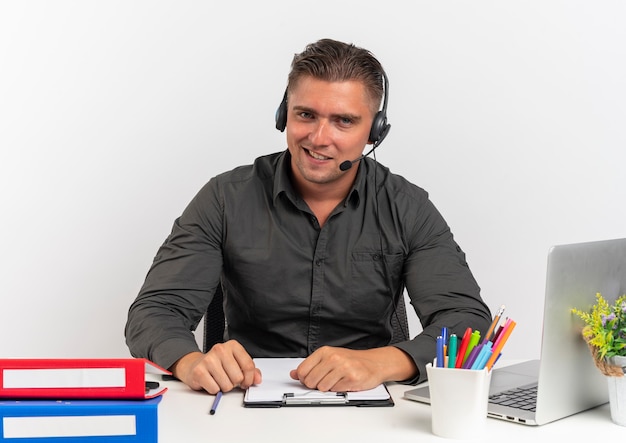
{"x":312,"y":257}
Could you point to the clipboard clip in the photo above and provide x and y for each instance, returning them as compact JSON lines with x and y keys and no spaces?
{"x":315,"y":398}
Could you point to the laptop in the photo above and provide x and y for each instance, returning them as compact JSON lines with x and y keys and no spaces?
{"x":564,"y":380}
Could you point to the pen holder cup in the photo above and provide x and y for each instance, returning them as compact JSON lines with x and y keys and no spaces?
{"x":458,"y":399}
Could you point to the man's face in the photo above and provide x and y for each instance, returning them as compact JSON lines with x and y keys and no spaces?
{"x":327,"y":123}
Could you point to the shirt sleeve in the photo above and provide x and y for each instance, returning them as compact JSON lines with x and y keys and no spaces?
{"x":440,"y":285}
{"x":179,"y":285}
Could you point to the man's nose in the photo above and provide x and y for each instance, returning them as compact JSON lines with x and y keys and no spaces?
{"x":321,"y":133}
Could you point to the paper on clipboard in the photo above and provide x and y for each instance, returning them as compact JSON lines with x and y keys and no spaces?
{"x":278,"y":389}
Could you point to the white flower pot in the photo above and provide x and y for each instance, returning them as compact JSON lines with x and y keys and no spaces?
{"x":617,"y":393}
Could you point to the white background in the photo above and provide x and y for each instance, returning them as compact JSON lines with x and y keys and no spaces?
{"x":113,"y":114}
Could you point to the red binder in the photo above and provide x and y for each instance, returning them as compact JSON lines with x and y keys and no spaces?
{"x":123,"y":378}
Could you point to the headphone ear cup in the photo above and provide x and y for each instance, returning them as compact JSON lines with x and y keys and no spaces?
{"x":379,"y":127}
{"x":281,"y":114}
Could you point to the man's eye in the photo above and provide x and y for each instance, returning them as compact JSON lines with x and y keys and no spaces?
{"x":306,"y":115}
{"x":345,"y":121}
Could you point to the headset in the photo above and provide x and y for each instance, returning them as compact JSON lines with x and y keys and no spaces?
{"x":378,"y":131}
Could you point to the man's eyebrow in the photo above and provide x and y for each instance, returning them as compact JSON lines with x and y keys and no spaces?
{"x":303,"y":109}
{"x":354,"y":118}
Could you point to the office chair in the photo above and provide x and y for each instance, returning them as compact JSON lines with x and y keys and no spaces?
{"x":214,"y":322}
{"x":399,"y":323}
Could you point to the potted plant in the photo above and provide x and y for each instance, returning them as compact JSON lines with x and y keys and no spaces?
{"x":605,"y":333}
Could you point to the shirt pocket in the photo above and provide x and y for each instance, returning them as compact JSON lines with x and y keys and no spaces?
{"x":370,"y":291}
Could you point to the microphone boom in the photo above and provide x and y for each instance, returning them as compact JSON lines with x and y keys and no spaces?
{"x":344,"y":166}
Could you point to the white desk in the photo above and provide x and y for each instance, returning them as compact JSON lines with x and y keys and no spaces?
{"x":184,"y":417}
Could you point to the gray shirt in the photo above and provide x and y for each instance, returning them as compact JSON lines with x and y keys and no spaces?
{"x":290,"y":286}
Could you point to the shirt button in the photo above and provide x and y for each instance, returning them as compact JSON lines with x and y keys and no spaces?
{"x":376,"y":257}
{"x":318,"y":262}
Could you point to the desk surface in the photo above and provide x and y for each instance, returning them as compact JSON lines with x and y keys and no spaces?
{"x":184,"y":417}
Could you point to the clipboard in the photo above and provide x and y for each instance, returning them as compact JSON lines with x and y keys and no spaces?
{"x":278,"y":389}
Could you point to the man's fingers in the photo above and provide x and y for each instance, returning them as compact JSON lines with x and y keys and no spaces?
{"x":319,"y":370}
{"x":336,"y":369}
{"x":231,"y":366}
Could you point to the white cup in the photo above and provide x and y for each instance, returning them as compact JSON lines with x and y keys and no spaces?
{"x":458,"y":399}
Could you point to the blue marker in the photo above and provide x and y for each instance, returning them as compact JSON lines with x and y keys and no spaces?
{"x":444,"y":335}
{"x":483,"y":356}
{"x":440,"y":353}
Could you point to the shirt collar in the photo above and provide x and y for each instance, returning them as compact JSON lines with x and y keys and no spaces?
{"x":282,"y":182}
{"x":358,"y":187}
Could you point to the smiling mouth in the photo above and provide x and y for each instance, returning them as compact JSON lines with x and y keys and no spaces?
{"x":316,"y":156}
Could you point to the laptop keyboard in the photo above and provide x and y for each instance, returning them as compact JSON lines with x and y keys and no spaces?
{"x":524,"y":398}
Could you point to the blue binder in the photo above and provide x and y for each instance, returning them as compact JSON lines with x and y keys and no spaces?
{"x":77,"y":421}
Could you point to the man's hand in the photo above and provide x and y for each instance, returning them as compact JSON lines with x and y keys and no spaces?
{"x":344,"y":370}
{"x":225,"y":367}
